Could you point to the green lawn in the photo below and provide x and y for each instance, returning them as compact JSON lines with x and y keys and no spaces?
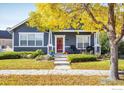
{"x":96,"y":65}
{"x":25,"y":64}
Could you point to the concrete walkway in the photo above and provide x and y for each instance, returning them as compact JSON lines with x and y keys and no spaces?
{"x":55,"y":72}
{"x":61,"y":62}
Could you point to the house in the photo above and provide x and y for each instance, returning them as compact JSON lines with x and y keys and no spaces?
{"x":25,"y":38}
{"x":5,"y":41}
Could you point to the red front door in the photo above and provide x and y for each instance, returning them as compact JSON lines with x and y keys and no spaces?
{"x":59,"y":44}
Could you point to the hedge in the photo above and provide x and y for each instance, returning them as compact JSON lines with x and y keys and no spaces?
{"x":17,"y":55}
{"x":9,"y":55}
{"x":81,"y":57}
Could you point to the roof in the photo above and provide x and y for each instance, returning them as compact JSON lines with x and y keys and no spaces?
{"x":5,"y":34}
{"x":12,"y":28}
{"x":66,"y":30}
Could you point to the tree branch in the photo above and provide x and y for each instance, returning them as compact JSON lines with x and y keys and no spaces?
{"x":121,"y":36}
{"x":93,"y":17}
{"x":122,"y":31}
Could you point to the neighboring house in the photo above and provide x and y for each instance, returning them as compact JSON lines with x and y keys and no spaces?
{"x":5,"y":41}
{"x":25,"y":38}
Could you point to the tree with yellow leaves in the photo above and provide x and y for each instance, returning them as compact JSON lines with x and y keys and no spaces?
{"x":90,"y":17}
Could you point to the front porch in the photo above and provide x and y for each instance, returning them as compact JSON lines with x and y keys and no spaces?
{"x":73,"y":42}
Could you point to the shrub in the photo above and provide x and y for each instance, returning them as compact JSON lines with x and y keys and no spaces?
{"x":39,"y":52}
{"x":104,"y":56}
{"x":51,"y":58}
{"x":40,"y":57}
{"x":81,"y":57}
{"x":104,"y":43}
{"x":44,"y":57}
{"x":16,"y":55}
{"x":10,"y":55}
{"x":121,"y":48}
{"x":31,"y":54}
{"x":25,"y":54}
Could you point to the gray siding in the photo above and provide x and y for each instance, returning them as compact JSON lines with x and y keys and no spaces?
{"x":30,"y":49}
{"x":70,"y":38}
{"x":25,"y":28}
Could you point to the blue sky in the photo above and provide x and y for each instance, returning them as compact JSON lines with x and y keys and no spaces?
{"x":13,"y":13}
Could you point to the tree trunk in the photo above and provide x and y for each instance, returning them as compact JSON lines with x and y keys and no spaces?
{"x":113,"y":46}
{"x":113,"y":62}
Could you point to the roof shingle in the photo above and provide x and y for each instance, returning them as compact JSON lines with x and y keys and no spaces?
{"x":5,"y":34}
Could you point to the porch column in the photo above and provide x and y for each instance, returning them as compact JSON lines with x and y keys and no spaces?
{"x":51,"y":39}
{"x":97,"y":46}
{"x":50,"y":45}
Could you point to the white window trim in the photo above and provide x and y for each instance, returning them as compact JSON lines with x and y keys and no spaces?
{"x":56,"y":36}
{"x":30,"y":46}
{"x":27,"y":39}
{"x":83,"y":44}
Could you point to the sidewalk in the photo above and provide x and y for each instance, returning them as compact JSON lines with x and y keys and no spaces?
{"x":55,"y":72}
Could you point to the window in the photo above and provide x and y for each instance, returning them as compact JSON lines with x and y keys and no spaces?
{"x":23,"y":39}
{"x":39,"y":39}
{"x":82,"y":41}
{"x":31,"y":39}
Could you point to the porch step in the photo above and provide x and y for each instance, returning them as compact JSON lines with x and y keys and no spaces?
{"x":60,"y":56}
{"x":62,"y":67}
{"x":61,"y":63}
{"x":60,"y":59}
